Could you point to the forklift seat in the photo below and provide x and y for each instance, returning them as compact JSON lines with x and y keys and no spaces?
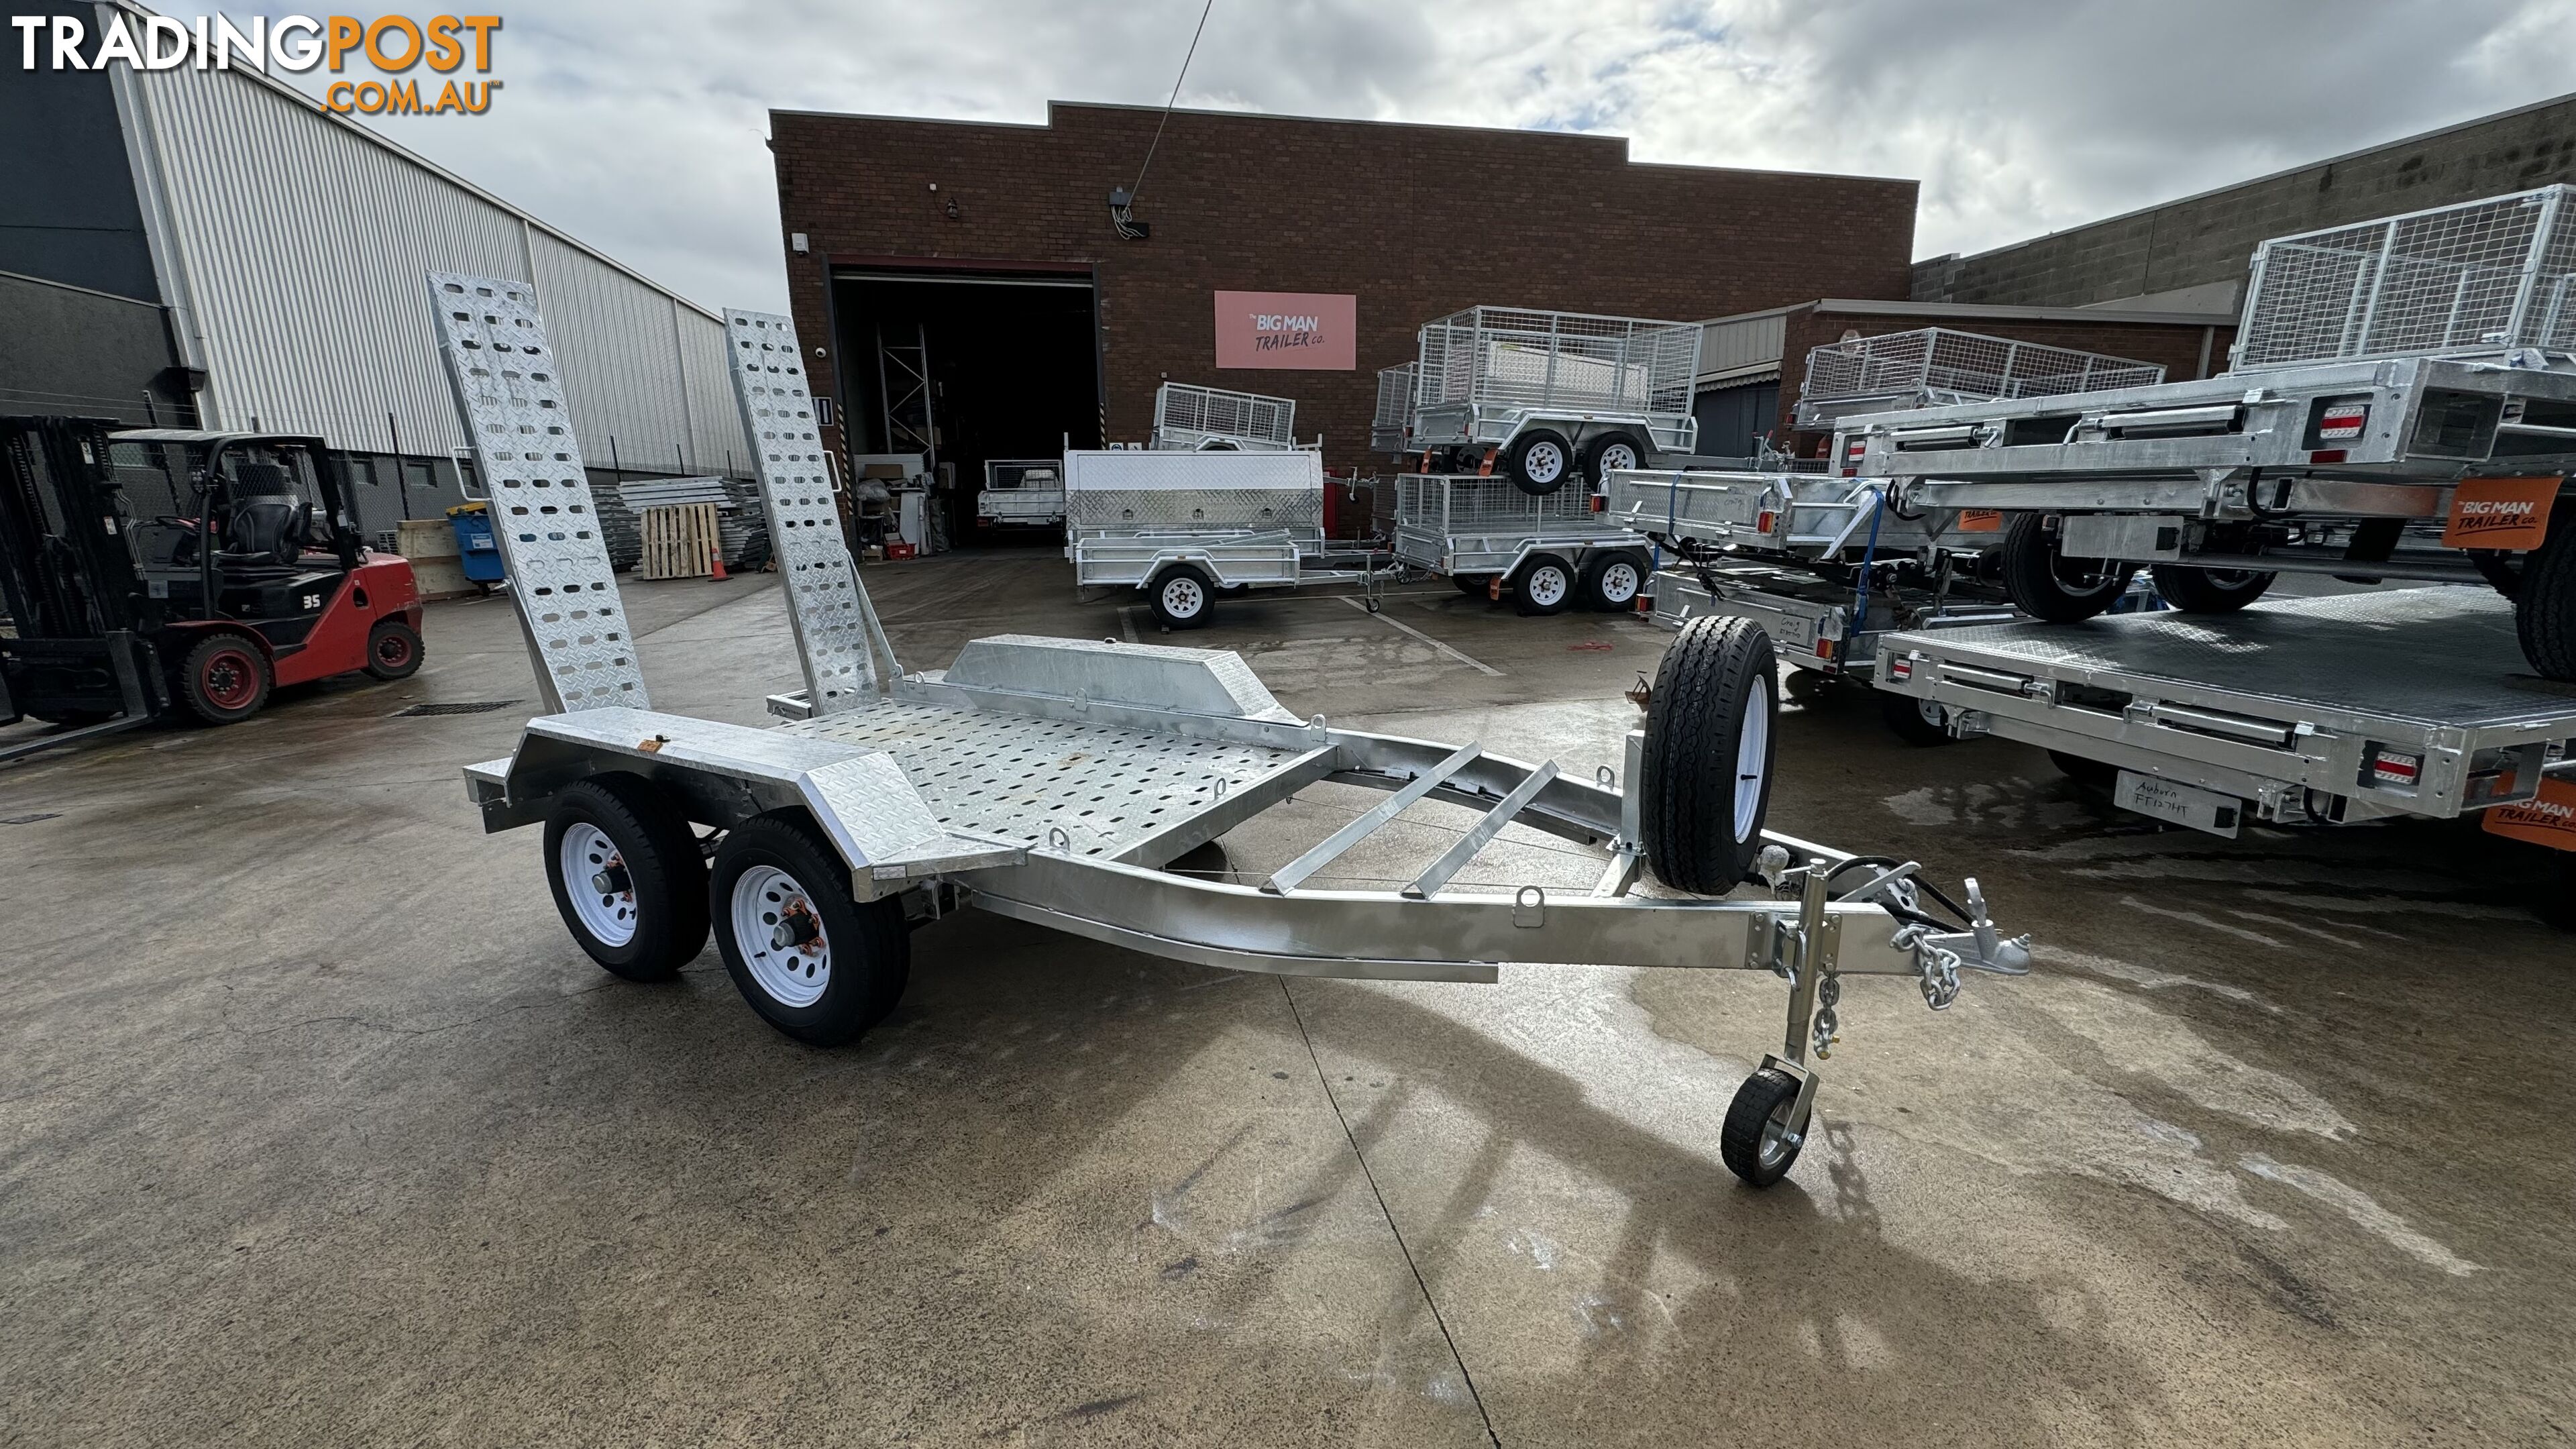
{"x":269,"y":529}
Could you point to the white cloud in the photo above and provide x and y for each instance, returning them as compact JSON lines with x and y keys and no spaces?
{"x":638,"y":126}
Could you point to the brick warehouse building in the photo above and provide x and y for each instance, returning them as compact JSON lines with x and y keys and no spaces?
{"x":990,"y":249}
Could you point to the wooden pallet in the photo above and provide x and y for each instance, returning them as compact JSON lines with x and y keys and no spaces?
{"x":680,"y":541}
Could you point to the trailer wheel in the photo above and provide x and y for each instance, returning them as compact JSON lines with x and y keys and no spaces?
{"x":2209,"y":591}
{"x":1707,"y":777}
{"x":2544,"y":609}
{"x":224,"y":679}
{"x":1760,"y":1142}
{"x":1182,"y":596}
{"x":2046,"y":584}
{"x":1917,"y":721}
{"x":1539,"y":461}
{"x":1612,"y":581}
{"x":627,"y":875}
{"x":393,"y":650}
{"x":1474,"y":586}
{"x":811,"y":961}
{"x":1611,"y":452}
{"x":1544,"y":585}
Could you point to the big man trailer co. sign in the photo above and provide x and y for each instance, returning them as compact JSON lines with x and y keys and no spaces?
{"x":1309,"y":331}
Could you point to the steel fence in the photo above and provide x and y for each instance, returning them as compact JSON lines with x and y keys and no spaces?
{"x":1512,"y":357}
{"x":2480,"y":276}
{"x":1935,"y":365}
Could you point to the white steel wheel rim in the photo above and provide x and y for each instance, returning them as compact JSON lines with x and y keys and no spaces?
{"x":1619,"y":582}
{"x":1618,"y":455}
{"x":1752,"y":758}
{"x":1933,"y":714}
{"x":1546,"y":584}
{"x":1183,"y":598}
{"x":1544,"y":462}
{"x":790,"y":972}
{"x":586,"y":855}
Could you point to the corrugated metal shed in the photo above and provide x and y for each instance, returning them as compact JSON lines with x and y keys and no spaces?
{"x":1743,"y":348}
{"x":293,"y":243}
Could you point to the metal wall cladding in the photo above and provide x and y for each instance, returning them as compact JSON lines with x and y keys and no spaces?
{"x":303,"y":241}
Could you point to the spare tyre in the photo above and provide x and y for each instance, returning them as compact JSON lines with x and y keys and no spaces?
{"x":1706,"y":785}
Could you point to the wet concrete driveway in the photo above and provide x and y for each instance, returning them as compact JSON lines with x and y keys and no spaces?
{"x":315,"y":1127}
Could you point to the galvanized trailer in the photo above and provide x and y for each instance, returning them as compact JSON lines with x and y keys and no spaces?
{"x":1022,"y":493}
{"x":1193,"y":419}
{"x":1053,"y":780}
{"x":2310,"y":711}
{"x":1550,"y":551}
{"x":1933,"y":366}
{"x":1181,"y":527}
{"x":2402,"y":405}
{"x":1391,"y":427}
{"x":1541,"y":397}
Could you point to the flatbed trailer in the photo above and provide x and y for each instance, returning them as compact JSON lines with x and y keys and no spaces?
{"x":2396,"y":703}
{"x":1054,"y":780}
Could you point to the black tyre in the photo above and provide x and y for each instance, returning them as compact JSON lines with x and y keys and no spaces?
{"x":2049,"y":586}
{"x":225,"y":678}
{"x":1764,"y":1130}
{"x":1182,"y":596}
{"x":1916,"y":721}
{"x":2544,"y":609}
{"x":2560,"y":908}
{"x":2209,"y":591}
{"x":627,"y":875}
{"x":1609,"y":452}
{"x":1612,"y":582}
{"x":393,"y":650}
{"x":1707,"y":777}
{"x":2091,"y":774}
{"x":1474,"y":586}
{"x":1539,"y":461}
{"x":1544,"y":585}
{"x":812,"y":962}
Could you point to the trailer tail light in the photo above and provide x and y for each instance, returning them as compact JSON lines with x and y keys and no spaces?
{"x":2393,"y":767}
{"x":1853,"y":452}
{"x":1600,"y":502}
{"x":1825,"y":649}
{"x":1900,"y":670}
{"x":1768,"y":522}
{"x":2342,"y":422}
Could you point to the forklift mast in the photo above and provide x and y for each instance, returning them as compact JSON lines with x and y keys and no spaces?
{"x":65,"y":571}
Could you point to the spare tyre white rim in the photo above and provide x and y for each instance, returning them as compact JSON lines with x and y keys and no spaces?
{"x":1546,"y":585}
{"x":1752,"y":757}
{"x":780,"y":934}
{"x":1543,"y":462}
{"x":1619,"y":582}
{"x":596,"y":882}
{"x":1183,"y":598}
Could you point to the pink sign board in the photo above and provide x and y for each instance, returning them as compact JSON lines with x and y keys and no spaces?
{"x":1310,"y":331}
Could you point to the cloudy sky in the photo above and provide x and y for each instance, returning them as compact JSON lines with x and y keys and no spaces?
{"x":637,"y":125}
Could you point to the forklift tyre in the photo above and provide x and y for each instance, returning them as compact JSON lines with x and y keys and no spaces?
{"x":1539,"y":461}
{"x":2049,"y":586}
{"x":225,"y":678}
{"x":627,"y":875}
{"x":393,"y":650}
{"x":1917,"y":721}
{"x":813,"y":963}
{"x":1706,"y":785}
{"x":2544,"y":608}
{"x":2209,"y":591}
{"x":1182,"y":596}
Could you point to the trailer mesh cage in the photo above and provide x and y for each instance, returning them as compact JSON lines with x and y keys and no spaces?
{"x":1936,"y":365}
{"x":1188,"y":416}
{"x":2479,"y":277}
{"x":1512,"y":357}
{"x":1454,"y":505}
{"x":1394,"y":420}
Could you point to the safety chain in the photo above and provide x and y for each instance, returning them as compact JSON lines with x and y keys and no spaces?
{"x":1829,"y":989}
{"x":1936,"y":967}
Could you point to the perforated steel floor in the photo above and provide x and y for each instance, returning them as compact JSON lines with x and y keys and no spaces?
{"x":1010,"y":778}
{"x":2438,"y":656}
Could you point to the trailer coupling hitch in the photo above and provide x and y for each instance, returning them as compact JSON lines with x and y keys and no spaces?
{"x":1940,"y":955}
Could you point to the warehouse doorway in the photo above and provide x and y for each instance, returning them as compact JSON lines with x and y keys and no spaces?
{"x":967,"y":368}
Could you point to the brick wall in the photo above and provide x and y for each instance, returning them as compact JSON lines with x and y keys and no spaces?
{"x":2211,"y":238}
{"x":1416,"y":221}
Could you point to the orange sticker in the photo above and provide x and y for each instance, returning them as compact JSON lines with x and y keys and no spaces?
{"x":1981,"y":520}
{"x":2548,"y":818}
{"x":2511,"y":513}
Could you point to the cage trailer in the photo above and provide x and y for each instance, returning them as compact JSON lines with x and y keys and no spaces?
{"x":1544,"y":397}
{"x":1549,"y":551}
{"x":2402,"y":405}
{"x":1193,"y":419}
{"x":1053,"y":780}
{"x":2318,"y":711}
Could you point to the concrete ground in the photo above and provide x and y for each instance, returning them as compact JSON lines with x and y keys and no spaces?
{"x":315,"y":1127}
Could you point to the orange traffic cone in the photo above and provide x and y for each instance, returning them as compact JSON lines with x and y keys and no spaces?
{"x":715,"y":556}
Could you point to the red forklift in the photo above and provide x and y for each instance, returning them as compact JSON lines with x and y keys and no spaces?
{"x":160,"y":572}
